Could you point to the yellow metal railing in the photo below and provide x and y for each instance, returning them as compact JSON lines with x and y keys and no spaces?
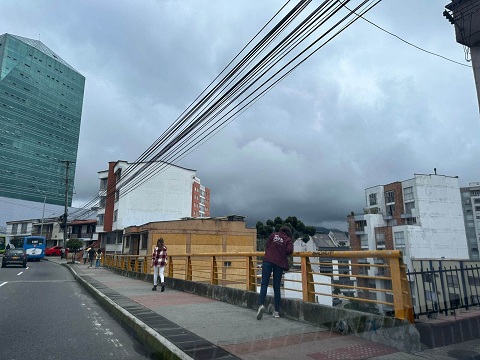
{"x":372,"y":281}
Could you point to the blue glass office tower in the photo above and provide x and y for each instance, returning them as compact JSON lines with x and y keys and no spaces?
{"x":41,"y":99}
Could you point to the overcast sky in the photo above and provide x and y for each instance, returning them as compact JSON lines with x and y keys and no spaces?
{"x":366,"y":110}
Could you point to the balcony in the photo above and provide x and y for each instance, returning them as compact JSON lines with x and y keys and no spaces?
{"x":81,"y":236}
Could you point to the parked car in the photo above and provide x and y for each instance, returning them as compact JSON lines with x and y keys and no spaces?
{"x":54,"y":251}
{"x":14,"y":256}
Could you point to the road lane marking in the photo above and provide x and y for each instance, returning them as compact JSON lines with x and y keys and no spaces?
{"x":3,"y":284}
{"x":20,"y":273}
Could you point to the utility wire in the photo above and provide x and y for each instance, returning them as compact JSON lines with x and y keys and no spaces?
{"x":409,"y":43}
{"x":235,"y":92}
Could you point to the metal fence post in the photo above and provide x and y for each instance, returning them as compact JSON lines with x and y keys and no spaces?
{"x":188,"y":269}
{"x":251,"y":283}
{"x":308,"y":288}
{"x":213,"y":271}
{"x":402,"y":301}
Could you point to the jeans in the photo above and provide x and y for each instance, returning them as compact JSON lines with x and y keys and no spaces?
{"x":267,"y":268}
{"x":158,"y":270}
{"x":97,"y":263}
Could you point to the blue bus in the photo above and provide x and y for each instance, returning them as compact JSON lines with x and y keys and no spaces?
{"x":34,"y":246}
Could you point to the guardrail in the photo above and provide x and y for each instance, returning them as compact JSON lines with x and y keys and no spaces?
{"x":371,"y":281}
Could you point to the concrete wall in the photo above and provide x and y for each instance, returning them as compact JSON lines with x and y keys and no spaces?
{"x":439,"y":208}
{"x":167,"y":196}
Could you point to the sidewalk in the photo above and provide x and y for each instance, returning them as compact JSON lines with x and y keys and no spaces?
{"x":179,"y":325}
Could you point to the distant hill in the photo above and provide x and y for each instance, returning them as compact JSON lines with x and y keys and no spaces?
{"x":324,"y":230}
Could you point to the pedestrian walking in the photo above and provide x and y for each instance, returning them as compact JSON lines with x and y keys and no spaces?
{"x":159,"y":260}
{"x":91,"y":256}
{"x":85,"y":256}
{"x":279,"y":246}
{"x":98,"y":258}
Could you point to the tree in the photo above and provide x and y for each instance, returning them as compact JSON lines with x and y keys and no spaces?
{"x":73,"y":245}
{"x":310,"y":230}
{"x":292,"y":220}
{"x":278,"y":221}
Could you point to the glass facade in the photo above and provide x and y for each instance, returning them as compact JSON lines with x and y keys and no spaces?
{"x":41,"y":99}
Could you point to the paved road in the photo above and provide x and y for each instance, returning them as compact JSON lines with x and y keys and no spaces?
{"x":47,"y":314}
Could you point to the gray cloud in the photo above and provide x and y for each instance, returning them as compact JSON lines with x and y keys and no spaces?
{"x":365,"y":110}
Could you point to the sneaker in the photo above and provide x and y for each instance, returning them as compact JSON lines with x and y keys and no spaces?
{"x":260,"y":312}
{"x":276,"y":314}
{"x":163,"y":287}
{"x":154,"y":288}
{"x":271,"y":309}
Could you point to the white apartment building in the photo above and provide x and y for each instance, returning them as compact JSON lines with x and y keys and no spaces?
{"x":471,"y":212}
{"x":169,"y":192}
{"x":421,"y":216}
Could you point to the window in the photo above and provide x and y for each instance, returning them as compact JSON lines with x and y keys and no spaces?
{"x":100,"y":219}
{"x":473,"y":280}
{"x":117,"y":195}
{"x":24,"y":228}
{"x":103,"y":184}
{"x":119,"y":238}
{"x":102,"y":201}
{"x":14,"y":228}
{"x":390,"y":209}
{"x":127,"y":241}
{"x":364,"y":241}
{"x":409,"y":206}
{"x":380,"y":238}
{"x":411,"y":221}
{"x":372,"y":199}
{"x":408,"y":193}
{"x":389,"y":298}
{"x":430,"y":295}
{"x":427,"y":277}
{"x":399,"y":239}
{"x":452,"y":281}
{"x":389,"y":196}
{"x":110,"y":239}
{"x":115,"y":215}
{"x":144,"y":240}
{"x":360,"y":225}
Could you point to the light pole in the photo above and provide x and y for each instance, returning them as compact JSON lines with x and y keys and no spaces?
{"x":43,"y":212}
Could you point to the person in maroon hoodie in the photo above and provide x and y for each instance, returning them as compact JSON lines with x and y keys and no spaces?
{"x":279,"y":246}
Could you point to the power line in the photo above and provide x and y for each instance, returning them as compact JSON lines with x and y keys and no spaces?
{"x":409,"y":43}
{"x":263,"y":65}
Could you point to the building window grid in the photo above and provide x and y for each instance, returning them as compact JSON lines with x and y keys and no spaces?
{"x":144,"y":240}
{"x":389,"y":197}
{"x":399,"y":239}
{"x":408,"y":193}
{"x":372,"y":198}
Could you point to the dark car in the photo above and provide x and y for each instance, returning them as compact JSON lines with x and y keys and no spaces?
{"x":54,"y":250}
{"x":14,"y":256}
